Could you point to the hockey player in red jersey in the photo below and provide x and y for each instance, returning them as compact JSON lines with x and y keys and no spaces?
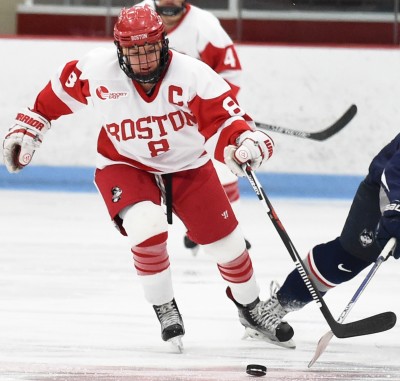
{"x":199,"y":34}
{"x":158,"y":109}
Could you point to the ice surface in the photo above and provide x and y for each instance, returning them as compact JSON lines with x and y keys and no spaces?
{"x":71,"y":307}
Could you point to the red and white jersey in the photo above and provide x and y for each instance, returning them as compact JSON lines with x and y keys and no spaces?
{"x":199,"y":34}
{"x":161,"y":133}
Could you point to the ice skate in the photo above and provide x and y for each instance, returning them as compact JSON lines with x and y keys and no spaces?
{"x":263,"y":320}
{"x":172,"y":329}
{"x":194,"y":247}
{"x":248,"y":244}
{"x":191,"y":245}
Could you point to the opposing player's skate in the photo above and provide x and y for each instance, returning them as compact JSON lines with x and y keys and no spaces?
{"x":263,"y":321}
{"x":172,"y":329}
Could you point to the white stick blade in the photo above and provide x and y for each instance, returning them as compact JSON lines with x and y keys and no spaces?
{"x":322,"y":344}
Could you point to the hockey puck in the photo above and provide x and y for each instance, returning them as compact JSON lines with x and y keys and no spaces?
{"x":256,"y":370}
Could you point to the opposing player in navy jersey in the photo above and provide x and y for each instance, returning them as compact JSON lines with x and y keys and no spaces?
{"x":158,"y":109}
{"x":199,"y":34}
{"x":373,"y":219}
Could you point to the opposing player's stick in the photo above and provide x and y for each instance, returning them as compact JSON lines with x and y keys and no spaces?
{"x":325,"y":339}
{"x":367,"y":326}
{"x":319,"y":135}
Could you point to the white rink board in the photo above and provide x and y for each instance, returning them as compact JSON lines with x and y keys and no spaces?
{"x":304,"y":88}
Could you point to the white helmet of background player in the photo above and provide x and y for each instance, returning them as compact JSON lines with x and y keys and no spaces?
{"x":141,"y":43}
{"x":169,"y":7}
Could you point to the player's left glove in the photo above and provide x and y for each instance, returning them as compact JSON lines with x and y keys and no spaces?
{"x":389,"y":226}
{"x":252,"y":147}
{"x":23,"y":138}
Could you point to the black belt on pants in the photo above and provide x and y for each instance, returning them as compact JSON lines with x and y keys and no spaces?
{"x":168,"y":196}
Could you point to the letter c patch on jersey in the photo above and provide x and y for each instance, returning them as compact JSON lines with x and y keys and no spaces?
{"x":175,"y":95}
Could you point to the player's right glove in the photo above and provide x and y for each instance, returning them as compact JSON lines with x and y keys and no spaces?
{"x":389,"y":226}
{"x":23,"y":139}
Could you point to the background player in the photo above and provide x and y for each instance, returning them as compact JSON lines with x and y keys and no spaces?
{"x":152,"y":104}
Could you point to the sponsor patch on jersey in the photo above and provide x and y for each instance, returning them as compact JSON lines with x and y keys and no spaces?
{"x":103,"y":93}
{"x":366,"y":238}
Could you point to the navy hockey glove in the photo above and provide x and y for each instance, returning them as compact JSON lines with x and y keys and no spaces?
{"x":389,"y":226}
{"x":23,"y":139}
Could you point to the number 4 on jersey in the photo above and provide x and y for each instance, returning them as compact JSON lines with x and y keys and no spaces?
{"x":230,"y":58}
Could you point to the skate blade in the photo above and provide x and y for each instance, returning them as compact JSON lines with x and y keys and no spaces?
{"x":177,"y":343}
{"x":249,"y":332}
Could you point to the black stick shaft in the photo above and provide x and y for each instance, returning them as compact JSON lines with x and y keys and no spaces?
{"x":319,"y":135}
{"x":367,"y":326}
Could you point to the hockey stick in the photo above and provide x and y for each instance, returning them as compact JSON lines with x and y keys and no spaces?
{"x":320,"y":135}
{"x":367,"y":326}
{"x":325,"y":339}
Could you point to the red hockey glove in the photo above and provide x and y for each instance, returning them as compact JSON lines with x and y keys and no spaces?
{"x":23,"y":139}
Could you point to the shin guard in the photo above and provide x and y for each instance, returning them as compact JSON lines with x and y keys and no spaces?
{"x":328,"y":265}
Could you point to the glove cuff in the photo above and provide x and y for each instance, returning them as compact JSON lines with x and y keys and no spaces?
{"x":32,"y":120}
{"x":392,"y":209}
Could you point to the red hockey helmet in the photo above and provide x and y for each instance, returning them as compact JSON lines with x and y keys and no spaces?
{"x":138,"y":26}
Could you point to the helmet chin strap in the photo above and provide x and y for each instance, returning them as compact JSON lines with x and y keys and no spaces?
{"x":169,"y":10}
